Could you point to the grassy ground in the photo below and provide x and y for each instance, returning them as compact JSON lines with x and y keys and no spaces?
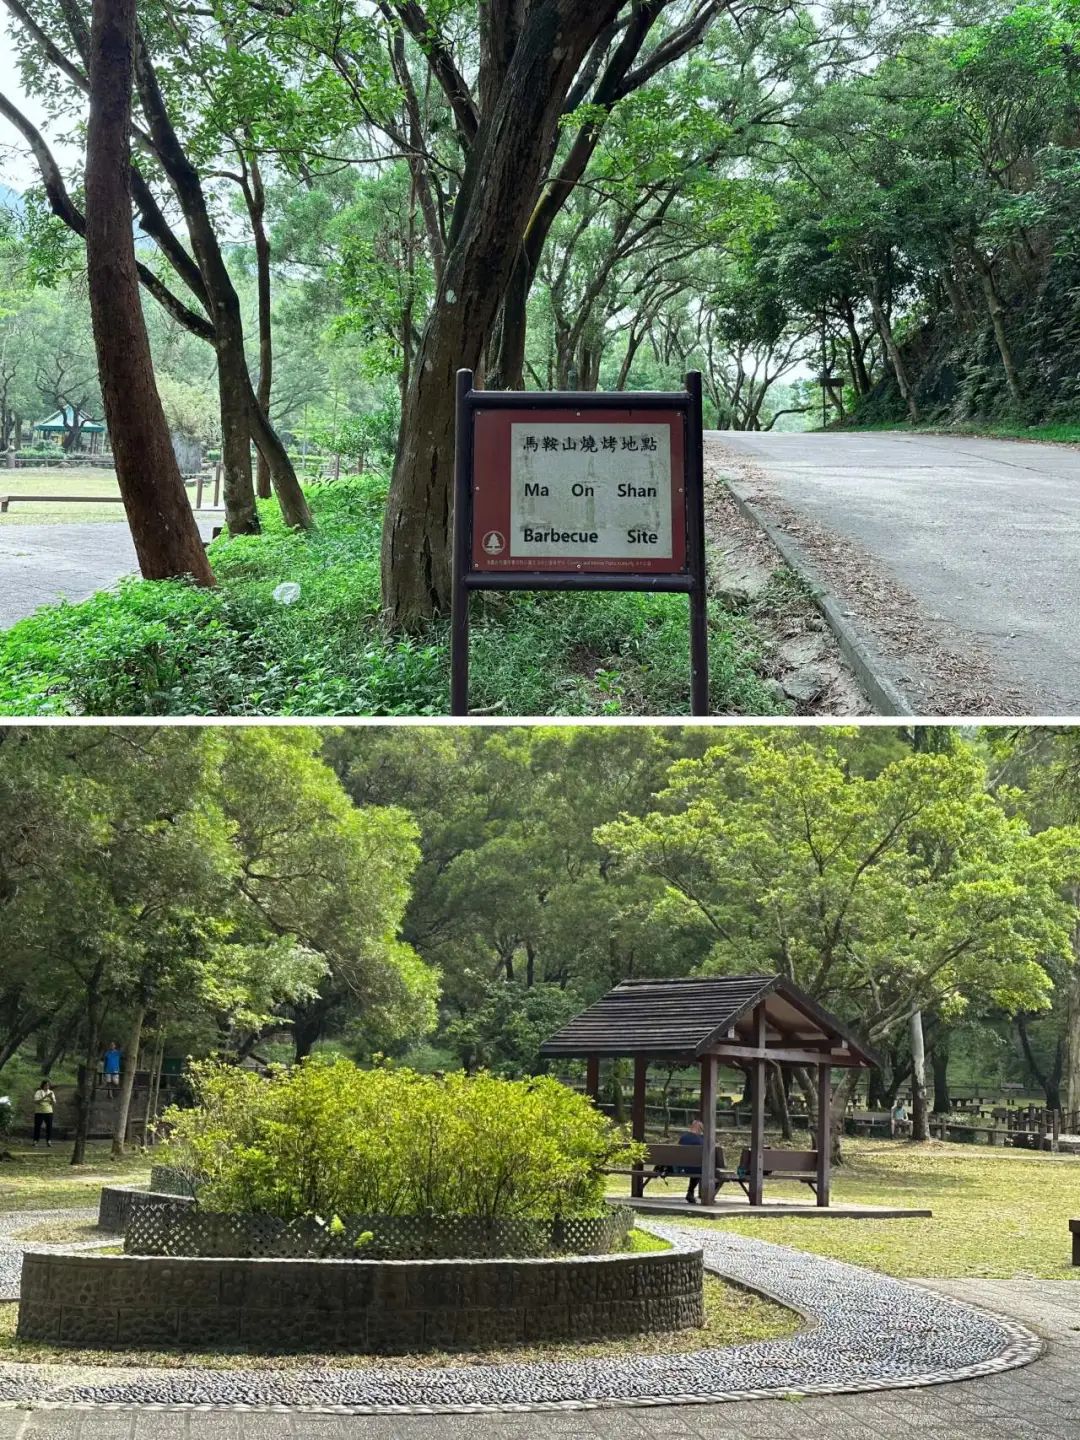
{"x":47,"y":480}
{"x":58,"y":1232}
{"x":732,"y":1317}
{"x":166,"y":648}
{"x":1059,"y":433}
{"x":998,"y":1214}
{"x":46,"y":1180}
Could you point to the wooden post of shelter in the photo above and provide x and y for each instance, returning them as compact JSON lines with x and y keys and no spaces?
{"x":592,"y":1077}
{"x":637,"y":1119}
{"x":824,"y":1133}
{"x":707,"y":1188}
{"x":757,"y":1110}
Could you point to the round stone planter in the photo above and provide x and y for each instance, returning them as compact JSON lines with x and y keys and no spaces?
{"x":360,"y":1306}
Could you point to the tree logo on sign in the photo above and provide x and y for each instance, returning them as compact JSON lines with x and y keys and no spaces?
{"x":494,"y":542}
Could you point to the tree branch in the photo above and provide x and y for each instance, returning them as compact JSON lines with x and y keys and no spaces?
{"x":442,"y":64}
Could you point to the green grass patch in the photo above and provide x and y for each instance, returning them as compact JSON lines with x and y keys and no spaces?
{"x":640,"y":1242}
{"x":732,"y":1317}
{"x":46,"y":1180}
{"x":59,"y":1232}
{"x":1053,"y":432}
{"x":998,"y":1214}
{"x":168,"y":648}
{"x":95,"y":481}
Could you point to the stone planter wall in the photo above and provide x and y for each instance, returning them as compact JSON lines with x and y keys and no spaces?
{"x":119,"y":1202}
{"x":381,"y":1307}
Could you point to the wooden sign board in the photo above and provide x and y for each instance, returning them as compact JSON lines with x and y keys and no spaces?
{"x":578,"y":492}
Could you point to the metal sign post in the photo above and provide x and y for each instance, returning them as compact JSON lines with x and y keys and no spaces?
{"x":578,"y":491}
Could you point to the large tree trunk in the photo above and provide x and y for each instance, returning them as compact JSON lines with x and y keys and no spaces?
{"x":506,"y":365}
{"x":84,"y":1094}
{"x":163,"y":528}
{"x":997,"y":319}
{"x":223,"y":303}
{"x":257,"y":210}
{"x":127,"y":1081}
{"x":1070,"y":1082}
{"x":490,"y":215}
{"x":290,"y":497}
{"x":939,"y":1064}
{"x":920,"y":1120}
{"x":238,"y":491}
{"x":896,"y":360}
{"x":778,"y":1103}
{"x":858,"y":351}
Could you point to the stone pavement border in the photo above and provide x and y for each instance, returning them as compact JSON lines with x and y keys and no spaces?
{"x":885,"y":695}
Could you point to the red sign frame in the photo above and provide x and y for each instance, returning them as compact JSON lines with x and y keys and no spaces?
{"x":483,"y":433}
{"x":491,"y":498}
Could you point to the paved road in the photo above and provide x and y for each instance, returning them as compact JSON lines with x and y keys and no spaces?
{"x":40,"y":564}
{"x":1041,"y":1401}
{"x":985,"y":534}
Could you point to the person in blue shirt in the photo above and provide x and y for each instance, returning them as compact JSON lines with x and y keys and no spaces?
{"x":692,"y":1136}
{"x":111,"y":1069}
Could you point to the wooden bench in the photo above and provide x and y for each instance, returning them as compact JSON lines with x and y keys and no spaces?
{"x":5,"y":500}
{"x":783,"y":1165}
{"x":1074,"y":1231}
{"x":682,"y":1162}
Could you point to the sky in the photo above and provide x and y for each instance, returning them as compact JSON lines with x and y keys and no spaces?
{"x":17,"y":168}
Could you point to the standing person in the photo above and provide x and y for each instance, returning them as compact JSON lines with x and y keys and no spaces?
{"x":111,"y":1069}
{"x":44,"y":1105}
{"x":693,"y":1136}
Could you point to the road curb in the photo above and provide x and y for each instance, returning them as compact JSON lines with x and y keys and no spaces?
{"x":884,"y":694}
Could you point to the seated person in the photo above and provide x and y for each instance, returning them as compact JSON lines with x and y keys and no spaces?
{"x":693,"y":1136}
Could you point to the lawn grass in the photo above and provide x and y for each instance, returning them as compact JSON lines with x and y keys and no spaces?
{"x":50,"y":480}
{"x":168,"y":648}
{"x":46,"y":1180}
{"x":59,"y":1232}
{"x":732,"y":1317}
{"x":998,"y":1214}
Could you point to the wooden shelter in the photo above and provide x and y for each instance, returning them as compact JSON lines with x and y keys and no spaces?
{"x":745,"y":1021}
{"x":93,"y":436}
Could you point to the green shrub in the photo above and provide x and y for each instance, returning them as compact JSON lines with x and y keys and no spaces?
{"x":327,"y":1138}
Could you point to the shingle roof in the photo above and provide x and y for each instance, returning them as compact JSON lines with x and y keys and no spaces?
{"x":684,"y":1019}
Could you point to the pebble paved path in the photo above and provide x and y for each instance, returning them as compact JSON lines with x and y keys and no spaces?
{"x":869,"y":1333}
{"x":11,"y":1250}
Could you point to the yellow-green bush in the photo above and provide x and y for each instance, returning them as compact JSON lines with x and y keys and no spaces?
{"x":328,"y":1138}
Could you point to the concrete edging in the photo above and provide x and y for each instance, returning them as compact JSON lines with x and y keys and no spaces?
{"x":884,"y":694}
